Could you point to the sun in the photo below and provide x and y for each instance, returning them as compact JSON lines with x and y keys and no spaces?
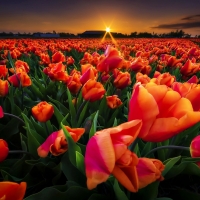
{"x":107,"y":29}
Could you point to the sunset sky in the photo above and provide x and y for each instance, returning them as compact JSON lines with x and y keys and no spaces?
{"x":76,"y":16}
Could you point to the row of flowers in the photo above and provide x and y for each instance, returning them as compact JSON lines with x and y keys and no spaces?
{"x":98,"y":123}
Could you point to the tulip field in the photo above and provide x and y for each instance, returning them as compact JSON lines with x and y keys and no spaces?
{"x":100,"y":120}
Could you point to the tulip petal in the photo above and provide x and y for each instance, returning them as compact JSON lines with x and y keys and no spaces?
{"x":165,"y":128}
{"x":12,"y":190}
{"x":127,"y":175}
{"x":99,"y":159}
{"x":143,"y":106}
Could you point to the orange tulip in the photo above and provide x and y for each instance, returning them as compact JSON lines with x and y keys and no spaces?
{"x":58,"y":57}
{"x":56,"y":143}
{"x":110,"y":61}
{"x":43,"y":111}
{"x":142,"y":78}
{"x":93,"y":90}
{"x":91,"y":73}
{"x":107,"y":153}
{"x":189,"y":68}
{"x":3,"y":71}
{"x":73,"y":83}
{"x":20,"y":78}
{"x":149,"y":170}
{"x":195,"y":148}
{"x":165,"y":79}
{"x":113,"y":101}
{"x":3,"y":88}
{"x":12,"y":191}
{"x":163,"y":112}
{"x":190,"y":91}
{"x":70,"y":60}
{"x":3,"y":149}
{"x":122,"y":80}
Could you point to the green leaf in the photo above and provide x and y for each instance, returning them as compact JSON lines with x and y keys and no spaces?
{"x":80,"y":162}
{"x":118,"y":192}
{"x":150,"y":192}
{"x":61,"y":107}
{"x":72,"y":146}
{"x":59,"y":116}
{"x":72,"y":109}
{"x":94,"y":125}
{"x":148,"y":147}
{"x":71,"y":172}
{"x":169,"y":164}
{"x":164,"y":198}
{"x":48,"y":194}
{"x":82,"y":115}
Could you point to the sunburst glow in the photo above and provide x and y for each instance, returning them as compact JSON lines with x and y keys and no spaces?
{"x":107,"y":29}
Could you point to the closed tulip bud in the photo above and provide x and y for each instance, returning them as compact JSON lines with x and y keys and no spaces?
{"x":58,"y":57}
{"x":3,"y":149}
{"x":113,"y":101}
{"x":93,"y":90}
{"x":149,"y":170}
{"x":3,"y":71}
{"x":122,"y":80}
{"x":3,"y":88}
{"x":195,"y":148}
{"x":43,"y":111}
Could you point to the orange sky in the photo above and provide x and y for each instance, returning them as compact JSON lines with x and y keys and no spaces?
{"x":123,"y":16}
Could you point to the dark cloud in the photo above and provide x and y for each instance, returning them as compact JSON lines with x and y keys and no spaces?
{"x":192,"y":17}
{"x":193,"y":21}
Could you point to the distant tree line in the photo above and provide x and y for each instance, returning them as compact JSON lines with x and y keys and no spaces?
{"x":172,"y":34}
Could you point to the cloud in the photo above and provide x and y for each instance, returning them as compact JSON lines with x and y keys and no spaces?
{"x":192,"y":17}
{"x":193,"y":21}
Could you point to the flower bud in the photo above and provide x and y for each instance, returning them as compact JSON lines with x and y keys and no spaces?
{"x":43,"y":111}
{"x":3,"y":149}
{"x":195,"y":148}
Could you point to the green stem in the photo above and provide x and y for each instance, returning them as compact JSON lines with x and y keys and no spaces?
{"x":11,"y":115}
{"x":80,"y":109}
{"x":46,"y":127}
{"x":77,"y":96}
{"x":168,"y":147}
{"x":23,"y":152}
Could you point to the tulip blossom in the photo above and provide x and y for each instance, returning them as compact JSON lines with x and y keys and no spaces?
{"x":56,"y":143}
{"x":4,"y":88}
{"x":190,"y":91}
{"x":164,"y":112}
{"x":189,"y":68}
{"x":149,"y":170}
{"x":111,"y":60}
{"x":164,"y":79}
{"x":3,"y":71}
{"x":3,"y":149}
{"x":58,"y":57}
{"x":73,"y":83}
{"x":113,"y":101}
{"x":12,"y":191}
{"x":195,"y":148}
{"x":122,"y":80}
{"x":20,"y":78}
{"x":43,"y":111}
{"x":70,"y":60}
{"x":107,"y":153}
{"x":93,"y":90}
{"x":90,"y":73}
